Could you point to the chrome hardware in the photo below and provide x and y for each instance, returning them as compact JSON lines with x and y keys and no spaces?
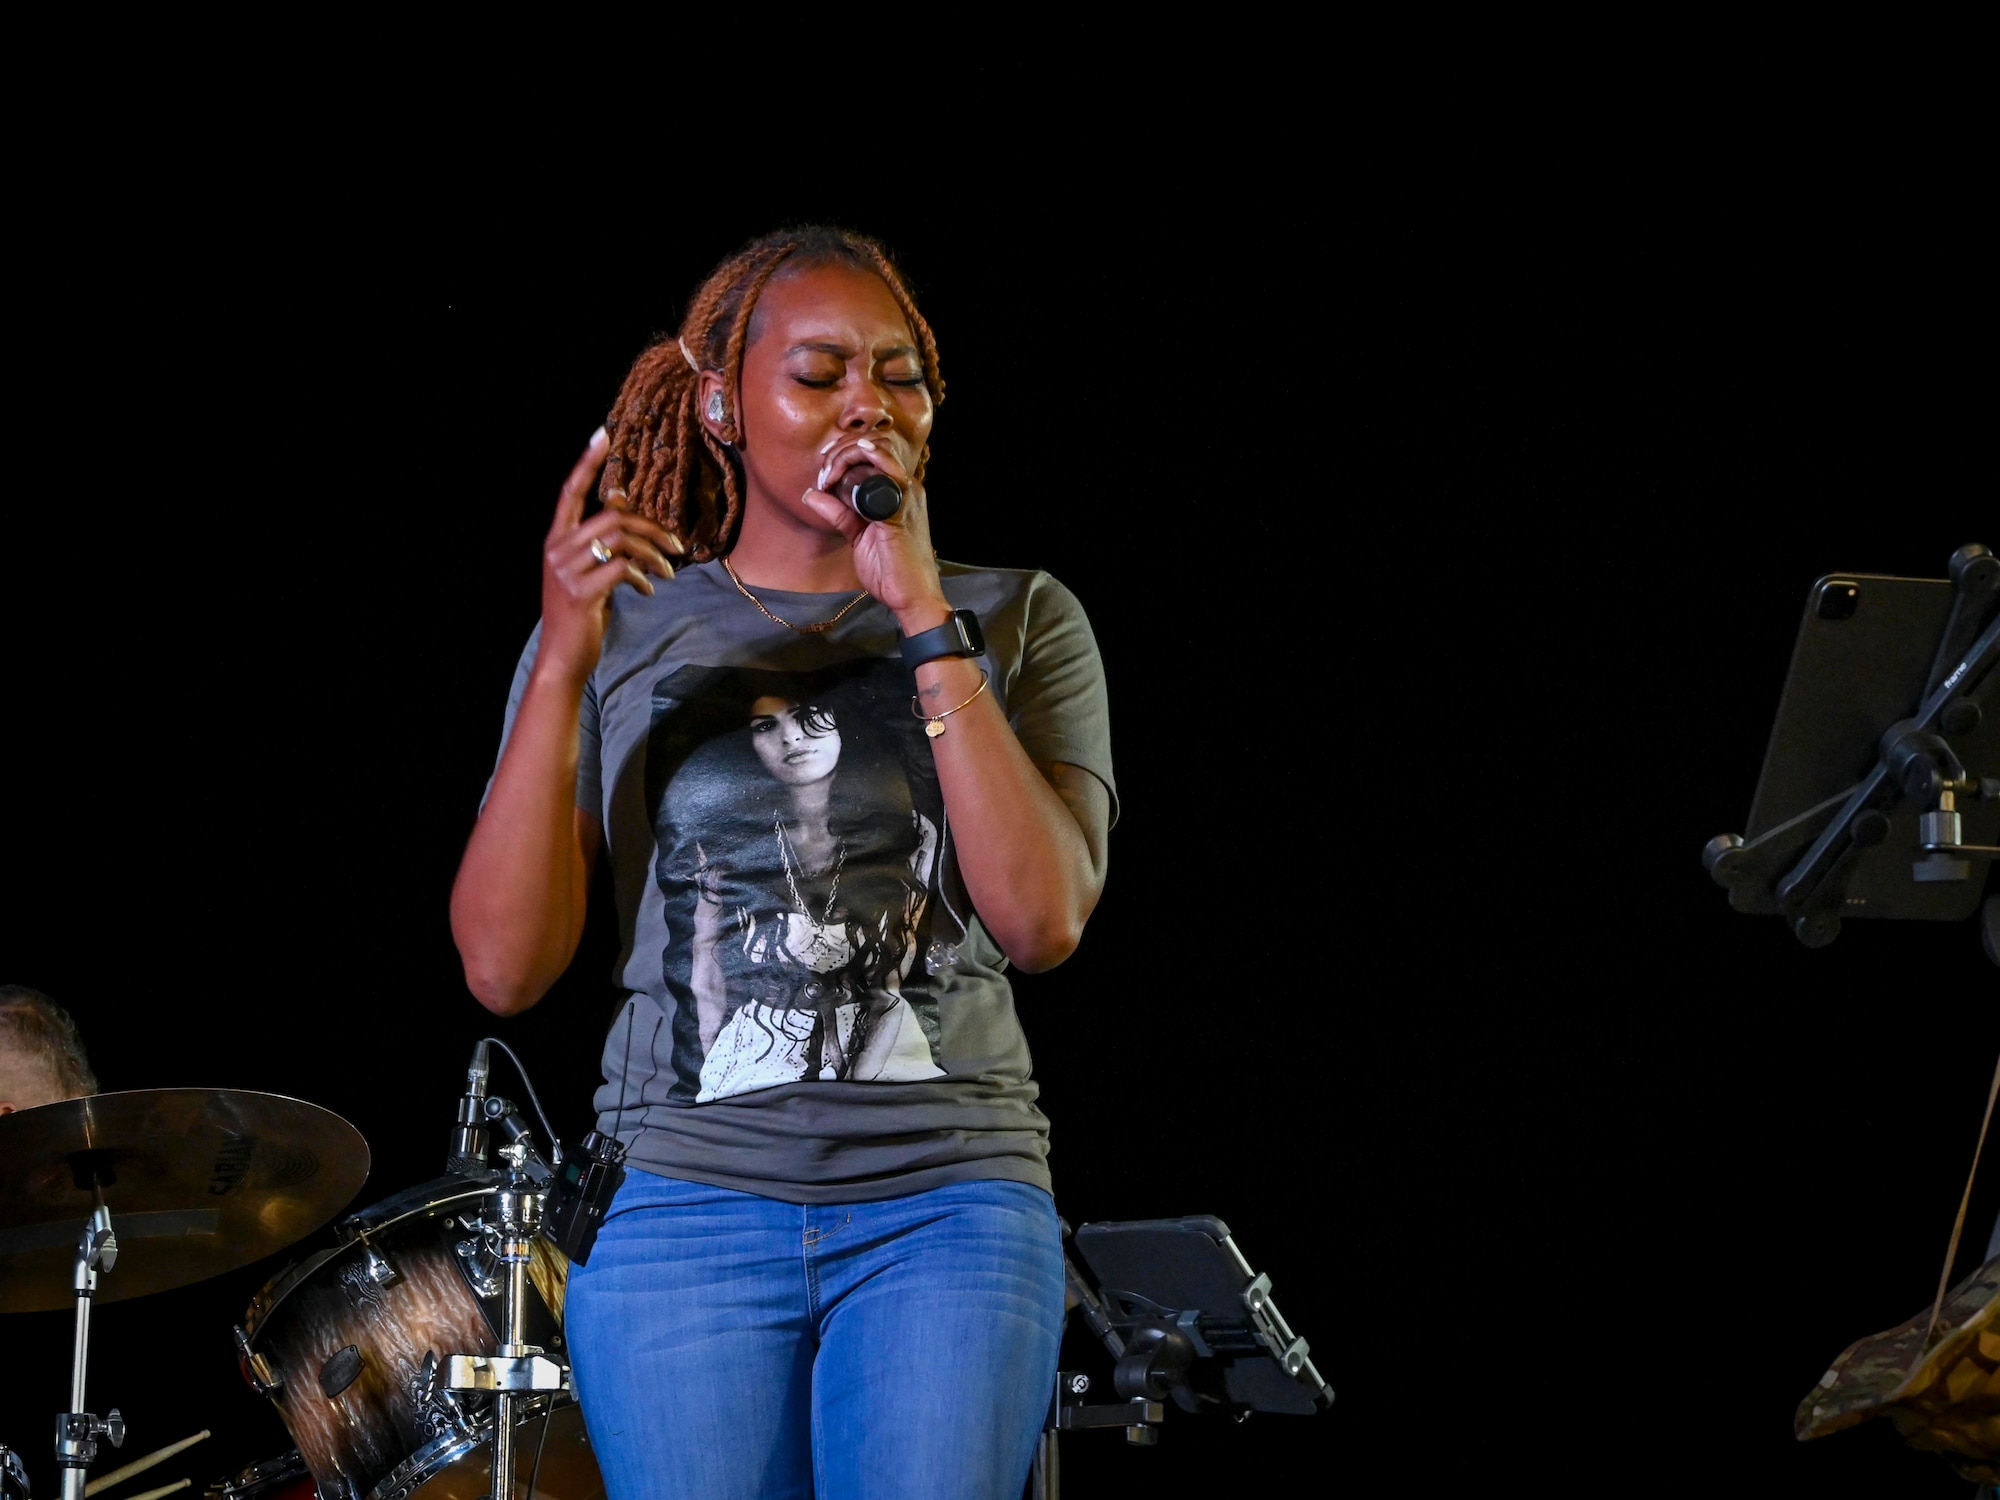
{"x":256,"y":1368}
{"x":438,"y":1410}
{"x":377,"y":1265}
{"x":356,"y":1278}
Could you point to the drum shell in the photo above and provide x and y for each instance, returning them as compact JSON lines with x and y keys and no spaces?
{"x":354,"y":1423}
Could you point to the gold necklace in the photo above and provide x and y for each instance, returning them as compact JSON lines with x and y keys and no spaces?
{"x":779,"y":619}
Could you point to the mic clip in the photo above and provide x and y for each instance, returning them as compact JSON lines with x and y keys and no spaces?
{"x":517,"y":1142}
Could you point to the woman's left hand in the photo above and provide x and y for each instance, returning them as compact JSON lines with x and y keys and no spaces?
{"x":893,"y":559}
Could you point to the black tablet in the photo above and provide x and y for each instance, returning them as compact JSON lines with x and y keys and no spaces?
{"x":1862,"y":660}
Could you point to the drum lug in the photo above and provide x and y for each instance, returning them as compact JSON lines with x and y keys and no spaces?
{"x":256,"y":1369}
{"x":358,"y":1280}
{"x":376,"y":1266}
{"x":437,"y":1410}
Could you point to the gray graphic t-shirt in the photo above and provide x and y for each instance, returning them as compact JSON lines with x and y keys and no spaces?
{"x":813,"y":1012}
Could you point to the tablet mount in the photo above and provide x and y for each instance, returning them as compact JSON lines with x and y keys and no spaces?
{"x":1186,"y":1323}
{"x":1915,"y":764}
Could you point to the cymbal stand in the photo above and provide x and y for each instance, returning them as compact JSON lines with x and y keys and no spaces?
{"x":518,"y":1372}
{"x":77,"y":1431}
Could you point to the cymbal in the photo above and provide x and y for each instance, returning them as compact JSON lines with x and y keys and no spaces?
{"x":198,"y":1182}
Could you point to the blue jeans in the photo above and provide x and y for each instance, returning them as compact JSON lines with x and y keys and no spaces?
{"x":731,"y":1347}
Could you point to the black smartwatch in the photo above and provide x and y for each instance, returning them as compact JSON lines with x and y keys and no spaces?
{"x":958,"y":636}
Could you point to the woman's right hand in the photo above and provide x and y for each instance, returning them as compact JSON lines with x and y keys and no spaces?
{"x":577,"y":581}
{"x":523,"y":887}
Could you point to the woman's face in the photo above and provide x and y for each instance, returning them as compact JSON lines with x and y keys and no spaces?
{"x":794,"y":751}
{"x":830,"y":355}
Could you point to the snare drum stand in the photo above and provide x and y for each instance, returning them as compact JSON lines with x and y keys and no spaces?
{"x":518,"y":1371}
{"x":77,"y":1431}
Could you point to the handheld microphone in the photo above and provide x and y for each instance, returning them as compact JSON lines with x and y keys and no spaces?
{"x":469,"y":1136}
{"x":873,"y":494}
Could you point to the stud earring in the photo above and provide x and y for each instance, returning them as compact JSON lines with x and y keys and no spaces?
{"x":715,"y":406}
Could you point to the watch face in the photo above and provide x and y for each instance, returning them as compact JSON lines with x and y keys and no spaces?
{"x":968,"y":626}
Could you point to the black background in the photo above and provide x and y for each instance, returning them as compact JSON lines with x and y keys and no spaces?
{"x":1445,"y":552}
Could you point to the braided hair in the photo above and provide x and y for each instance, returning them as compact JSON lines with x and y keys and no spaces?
{"x":666,"y":463}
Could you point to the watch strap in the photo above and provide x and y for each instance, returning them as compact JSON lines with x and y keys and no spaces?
{"x":958,"y":636}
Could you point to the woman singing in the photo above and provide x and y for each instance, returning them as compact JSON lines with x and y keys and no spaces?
{"x":842,"y":786}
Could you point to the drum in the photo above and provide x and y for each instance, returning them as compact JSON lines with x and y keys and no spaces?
{"x":351,"y":1343}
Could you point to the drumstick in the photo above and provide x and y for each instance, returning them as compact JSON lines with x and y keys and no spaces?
{"x":138,"y":1465}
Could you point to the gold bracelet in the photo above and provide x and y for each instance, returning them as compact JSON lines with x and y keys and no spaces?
{"x":934,"y":723}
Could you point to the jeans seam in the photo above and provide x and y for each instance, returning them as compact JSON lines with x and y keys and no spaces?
{"x":818,"y":1447}
{"x":807,"y":1240}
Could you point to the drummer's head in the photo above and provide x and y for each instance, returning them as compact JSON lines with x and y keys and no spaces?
{"x":41,"y":1057}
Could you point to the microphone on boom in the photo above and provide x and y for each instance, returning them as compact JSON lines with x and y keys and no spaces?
{"x":470,"y":1135}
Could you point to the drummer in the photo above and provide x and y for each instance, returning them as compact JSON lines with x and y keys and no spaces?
{"x":41,"y":1057}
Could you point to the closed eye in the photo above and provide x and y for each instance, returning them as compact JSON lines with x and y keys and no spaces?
{"x":827,"y":384}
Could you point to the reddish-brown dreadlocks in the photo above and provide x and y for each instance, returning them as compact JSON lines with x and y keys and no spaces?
{"x":668,"y":464}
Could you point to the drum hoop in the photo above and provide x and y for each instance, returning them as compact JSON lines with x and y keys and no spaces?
{"x":425,"y":1199}
{"x":403,"y":1481}
{"x":259,"y":1475}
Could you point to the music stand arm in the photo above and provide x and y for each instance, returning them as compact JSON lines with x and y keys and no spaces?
{"x":1975,"y":577}
{"x":1806,"y":890}
{"x":1087,"y":1303}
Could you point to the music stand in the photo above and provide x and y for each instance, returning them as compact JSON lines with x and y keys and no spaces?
{"x":1185,"y":1320}
{"x":1880,"y":791}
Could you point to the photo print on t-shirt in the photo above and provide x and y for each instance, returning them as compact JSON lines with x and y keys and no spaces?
{"x":802,"y":857}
